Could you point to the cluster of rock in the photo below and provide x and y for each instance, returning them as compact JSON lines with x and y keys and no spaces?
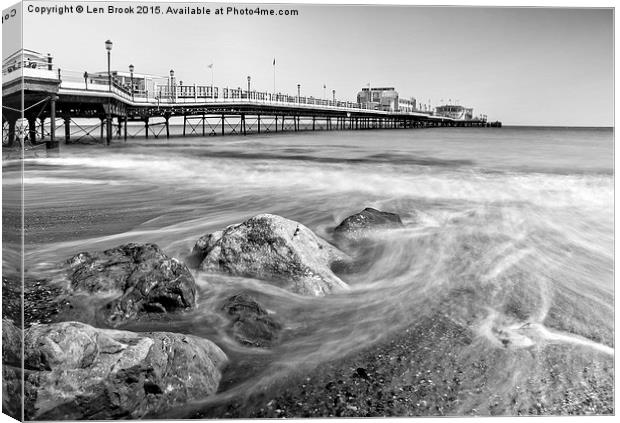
{"x":76,"y":371}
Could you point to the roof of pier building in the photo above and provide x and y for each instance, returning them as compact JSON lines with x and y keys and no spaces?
{"x":25,"y":53}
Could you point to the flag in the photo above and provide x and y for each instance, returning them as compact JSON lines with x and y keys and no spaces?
{"x":210,"y":66}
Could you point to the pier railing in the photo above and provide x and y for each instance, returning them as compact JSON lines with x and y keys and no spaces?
{"x":186,"y":94}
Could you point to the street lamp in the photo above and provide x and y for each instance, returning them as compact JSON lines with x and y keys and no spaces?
{"x":131,"y":74}
{"x":334,"y":96}
{"x":108,"y":47}
{"x":249,"y":79}
{"x":299,"y":93}
{"x":172,"y":84}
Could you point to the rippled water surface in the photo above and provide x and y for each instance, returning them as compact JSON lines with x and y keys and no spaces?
{"x":508,"y":233}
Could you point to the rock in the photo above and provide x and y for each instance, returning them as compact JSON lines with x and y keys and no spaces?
{"x":251,"y":324}
{"x":142,"y":277}
{"x":75,"y":371}
{"x":276,"y":249}
{"x":11,"y":369}
{"x":12,"y":392}
{"x":11,"y":343}
{"x":357,"y":226}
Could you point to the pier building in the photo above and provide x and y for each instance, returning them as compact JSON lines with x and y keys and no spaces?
{"x":455,"y":112}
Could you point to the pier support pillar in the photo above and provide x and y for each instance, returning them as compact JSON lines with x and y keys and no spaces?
{"x":11,"y":134}
{"x":32,"y":129}
{"x":146,"y":127}
{"x":42,"y":120}
{"x":203,"y":124}
{"x":243,"y":124}
{"x":276,"y":117}
{"x":167,"y":118}
{"x":223,"y":121}
{"x":52,"y":144}
{"x":119,"y":127}
{"x":125,"y":134}
{"x":67,"y":120}
{"x":313,"y":122}
{"x":101,"y":126}
{"x":184,"y":123}
{"x":108,"y":127}
{"x":258,"y":121}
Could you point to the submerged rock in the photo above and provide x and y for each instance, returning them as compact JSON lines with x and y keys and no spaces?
{"x":276,"y":249}
{"x":251,"y":324}
{"x":75,"y":371}
{"x":358,"y":225}
{"x":145,"y":279}
{"x":11,"y":369}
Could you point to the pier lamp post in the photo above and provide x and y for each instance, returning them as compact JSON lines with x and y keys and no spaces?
{"x":299,"y":93}
{"x":108,"y":47}
{"x":249,"y":81}
{"x":131,"y":75}
{"x":334,"y":96}
{"x":172,"y":84}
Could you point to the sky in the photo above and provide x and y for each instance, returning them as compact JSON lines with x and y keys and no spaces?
{"x":523,"y":66}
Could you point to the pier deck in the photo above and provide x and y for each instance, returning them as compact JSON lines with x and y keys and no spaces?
{"x":59,"y":97}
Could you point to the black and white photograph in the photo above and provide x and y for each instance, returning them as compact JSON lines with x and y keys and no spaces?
{"x":220,"y":210}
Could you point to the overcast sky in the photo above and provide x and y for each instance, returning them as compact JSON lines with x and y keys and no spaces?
{"x":535,"y":66}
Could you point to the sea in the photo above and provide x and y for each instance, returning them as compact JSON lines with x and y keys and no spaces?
{"x":508,"y":233}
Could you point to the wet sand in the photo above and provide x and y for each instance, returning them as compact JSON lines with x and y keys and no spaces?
{"x":425,"y":370}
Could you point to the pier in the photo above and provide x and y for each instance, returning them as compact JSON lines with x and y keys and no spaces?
{"x":54,"y":98}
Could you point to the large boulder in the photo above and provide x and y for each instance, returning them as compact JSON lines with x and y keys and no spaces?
{"x":276,"y":249}
{"x":11,"y":369}
{"x":357,"y":226}
{"x":251,"y":324}
{"x":140,"y":277}
{"x":75,"y":371}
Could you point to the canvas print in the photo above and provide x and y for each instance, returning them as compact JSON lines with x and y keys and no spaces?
{"x":288,"y":210}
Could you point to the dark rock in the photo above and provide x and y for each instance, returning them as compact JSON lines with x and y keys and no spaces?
{"x":251,"y":324}
{"x":361,"y":372}
{"x":276,"y":249}
{"x":75,"y":371}
{"x":11,"y":369}
{"x":358,"y":225}
{"x":143,"y":277}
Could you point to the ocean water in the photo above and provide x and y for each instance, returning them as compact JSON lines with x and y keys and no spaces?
{"x":508,"y":234}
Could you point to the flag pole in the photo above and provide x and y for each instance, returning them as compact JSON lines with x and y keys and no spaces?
{"x":274,"y":76}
